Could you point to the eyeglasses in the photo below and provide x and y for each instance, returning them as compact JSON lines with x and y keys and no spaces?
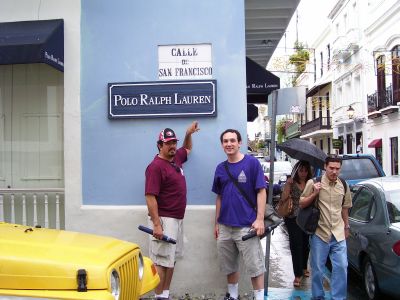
{"x":175,"y":166}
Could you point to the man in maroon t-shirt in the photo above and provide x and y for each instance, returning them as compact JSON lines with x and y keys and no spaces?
{"x":165,"y":193}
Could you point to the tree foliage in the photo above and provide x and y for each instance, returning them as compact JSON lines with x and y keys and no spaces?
{"x":299,"y":59}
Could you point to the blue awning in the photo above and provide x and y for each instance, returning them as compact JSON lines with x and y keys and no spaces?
{"x":33,"y":42}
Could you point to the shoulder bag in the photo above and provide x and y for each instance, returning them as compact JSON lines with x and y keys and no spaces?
{"x":285,"y":207}
{"x":308,"y":217}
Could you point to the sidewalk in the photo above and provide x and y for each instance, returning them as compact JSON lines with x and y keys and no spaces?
{"x":280,"y":285}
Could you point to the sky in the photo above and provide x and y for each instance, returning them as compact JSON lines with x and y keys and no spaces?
{"x":312,"y":16}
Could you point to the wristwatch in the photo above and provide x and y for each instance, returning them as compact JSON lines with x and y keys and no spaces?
{"x":346,"y":226}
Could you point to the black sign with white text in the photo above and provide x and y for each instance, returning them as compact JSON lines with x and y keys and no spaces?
{"x":162,"y":99}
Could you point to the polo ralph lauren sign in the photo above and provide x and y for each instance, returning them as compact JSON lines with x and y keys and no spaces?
{"x":162,"y":99}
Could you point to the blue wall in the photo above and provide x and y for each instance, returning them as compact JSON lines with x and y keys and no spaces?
{"x":119,"y":43}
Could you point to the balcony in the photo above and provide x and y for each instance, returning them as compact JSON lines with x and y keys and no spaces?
{"x":383,"y":102}
{"x":33,"y":207}
{"x":345,"y":45}
{"x":293,"y":130}
{"x":315,"y":125}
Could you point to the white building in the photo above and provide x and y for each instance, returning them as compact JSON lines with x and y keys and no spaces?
{"x":317,"y":122}
{"x":366,"y":81}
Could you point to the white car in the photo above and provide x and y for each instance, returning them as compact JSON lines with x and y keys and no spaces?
{"x":281,"y":170}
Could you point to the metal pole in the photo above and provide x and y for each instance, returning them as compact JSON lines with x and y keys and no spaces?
{"x":273,"y":106}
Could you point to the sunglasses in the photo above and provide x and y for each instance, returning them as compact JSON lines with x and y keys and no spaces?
{"x":175,"y":166}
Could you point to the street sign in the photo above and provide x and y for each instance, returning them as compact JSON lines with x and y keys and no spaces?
{"x":337,"y":143}
{"x":162,"y":99}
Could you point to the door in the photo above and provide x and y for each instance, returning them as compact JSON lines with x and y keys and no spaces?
{"x":5,"y":126}
{"x":349,"y":143}
{"x":31,"y":135}
{"x":362,"y":212}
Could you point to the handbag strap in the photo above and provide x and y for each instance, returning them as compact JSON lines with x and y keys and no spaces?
{"x":319,"y":178}
{"x":238,"y":186}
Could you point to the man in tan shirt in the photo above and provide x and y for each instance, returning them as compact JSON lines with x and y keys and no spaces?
{"x":333,"y":200}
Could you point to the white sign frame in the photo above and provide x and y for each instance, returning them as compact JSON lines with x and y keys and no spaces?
{"x":185,"y":61}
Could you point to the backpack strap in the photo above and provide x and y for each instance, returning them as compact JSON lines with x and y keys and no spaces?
{"x":242,"y":192}
{"x":345,"y":188}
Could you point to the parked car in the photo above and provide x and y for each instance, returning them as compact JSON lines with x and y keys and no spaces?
{"x":281,"y":170}
{"x":39,"y":263}
{"x":357,"y":167}
{"x":374,"y":242}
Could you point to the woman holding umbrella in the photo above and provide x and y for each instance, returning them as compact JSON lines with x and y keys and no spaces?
{"x":298,"y":240}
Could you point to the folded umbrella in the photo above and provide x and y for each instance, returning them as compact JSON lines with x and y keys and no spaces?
{"x":303,"y":150}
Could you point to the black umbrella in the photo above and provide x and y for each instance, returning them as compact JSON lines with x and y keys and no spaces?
{"x":304,"y":150}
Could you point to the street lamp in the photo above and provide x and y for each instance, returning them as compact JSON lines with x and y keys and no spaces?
{"x":350,"y":112}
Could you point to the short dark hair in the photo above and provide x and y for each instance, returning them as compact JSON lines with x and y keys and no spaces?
{"x":333,"y":158}
{"x":159,"y":145}
{"x":239,"y":137}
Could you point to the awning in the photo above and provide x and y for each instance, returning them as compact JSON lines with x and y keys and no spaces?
{"x":260,"y":83}
{"x":252,"y":112}
{"x":316,"y":89}
{"x":33,"y":42}
{"x":375,"y":144}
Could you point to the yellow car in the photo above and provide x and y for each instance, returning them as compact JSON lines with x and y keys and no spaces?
{"x":40,"y":263}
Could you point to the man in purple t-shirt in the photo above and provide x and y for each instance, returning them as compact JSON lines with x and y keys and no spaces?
{"x":234,"y":216}
{"x":165,"y":193}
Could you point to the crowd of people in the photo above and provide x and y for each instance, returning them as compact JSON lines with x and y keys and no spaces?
{"x":241,"y":199}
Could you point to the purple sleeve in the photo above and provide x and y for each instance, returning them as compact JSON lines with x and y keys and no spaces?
{"x":216,"y":187}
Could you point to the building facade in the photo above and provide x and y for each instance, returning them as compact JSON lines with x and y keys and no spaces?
{"x":65,"y":163}
{"x":365,"y":79}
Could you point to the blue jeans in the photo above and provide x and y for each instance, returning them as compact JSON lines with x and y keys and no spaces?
{"x":337,"y":252}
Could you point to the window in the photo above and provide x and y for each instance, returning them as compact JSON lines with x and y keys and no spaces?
{"x":329,"y":146}
{"x":396,"y":73}
{"x":341,"y":148}
{"x":313,"y":107}
{"x":393,"y":205}
{"x":31,"y":132}
{"x":349,"y":143}
{"x":322,"y":63}
{"x":358,"y":168}
{"x":394,"y":155}
{"x":381,"y":83}
{"x":328,"y":111}
{"x":339,"y":97}
{"x":364,"y":206}
{"x":328,"y":52}
{"x":320,"y":107}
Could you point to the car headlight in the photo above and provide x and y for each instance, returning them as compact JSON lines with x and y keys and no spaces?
{"x":115,"y":284}
{"x":140,"y":266}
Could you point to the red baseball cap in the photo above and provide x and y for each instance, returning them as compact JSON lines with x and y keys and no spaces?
{"x":167,"y":135}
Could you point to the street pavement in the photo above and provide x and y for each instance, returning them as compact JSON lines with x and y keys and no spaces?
{"x":280,"y":285}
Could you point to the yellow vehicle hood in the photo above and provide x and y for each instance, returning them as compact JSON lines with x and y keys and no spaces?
{"x":39,"y":258}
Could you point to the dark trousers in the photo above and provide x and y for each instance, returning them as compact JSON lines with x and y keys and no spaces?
{"x":299,"y":246}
